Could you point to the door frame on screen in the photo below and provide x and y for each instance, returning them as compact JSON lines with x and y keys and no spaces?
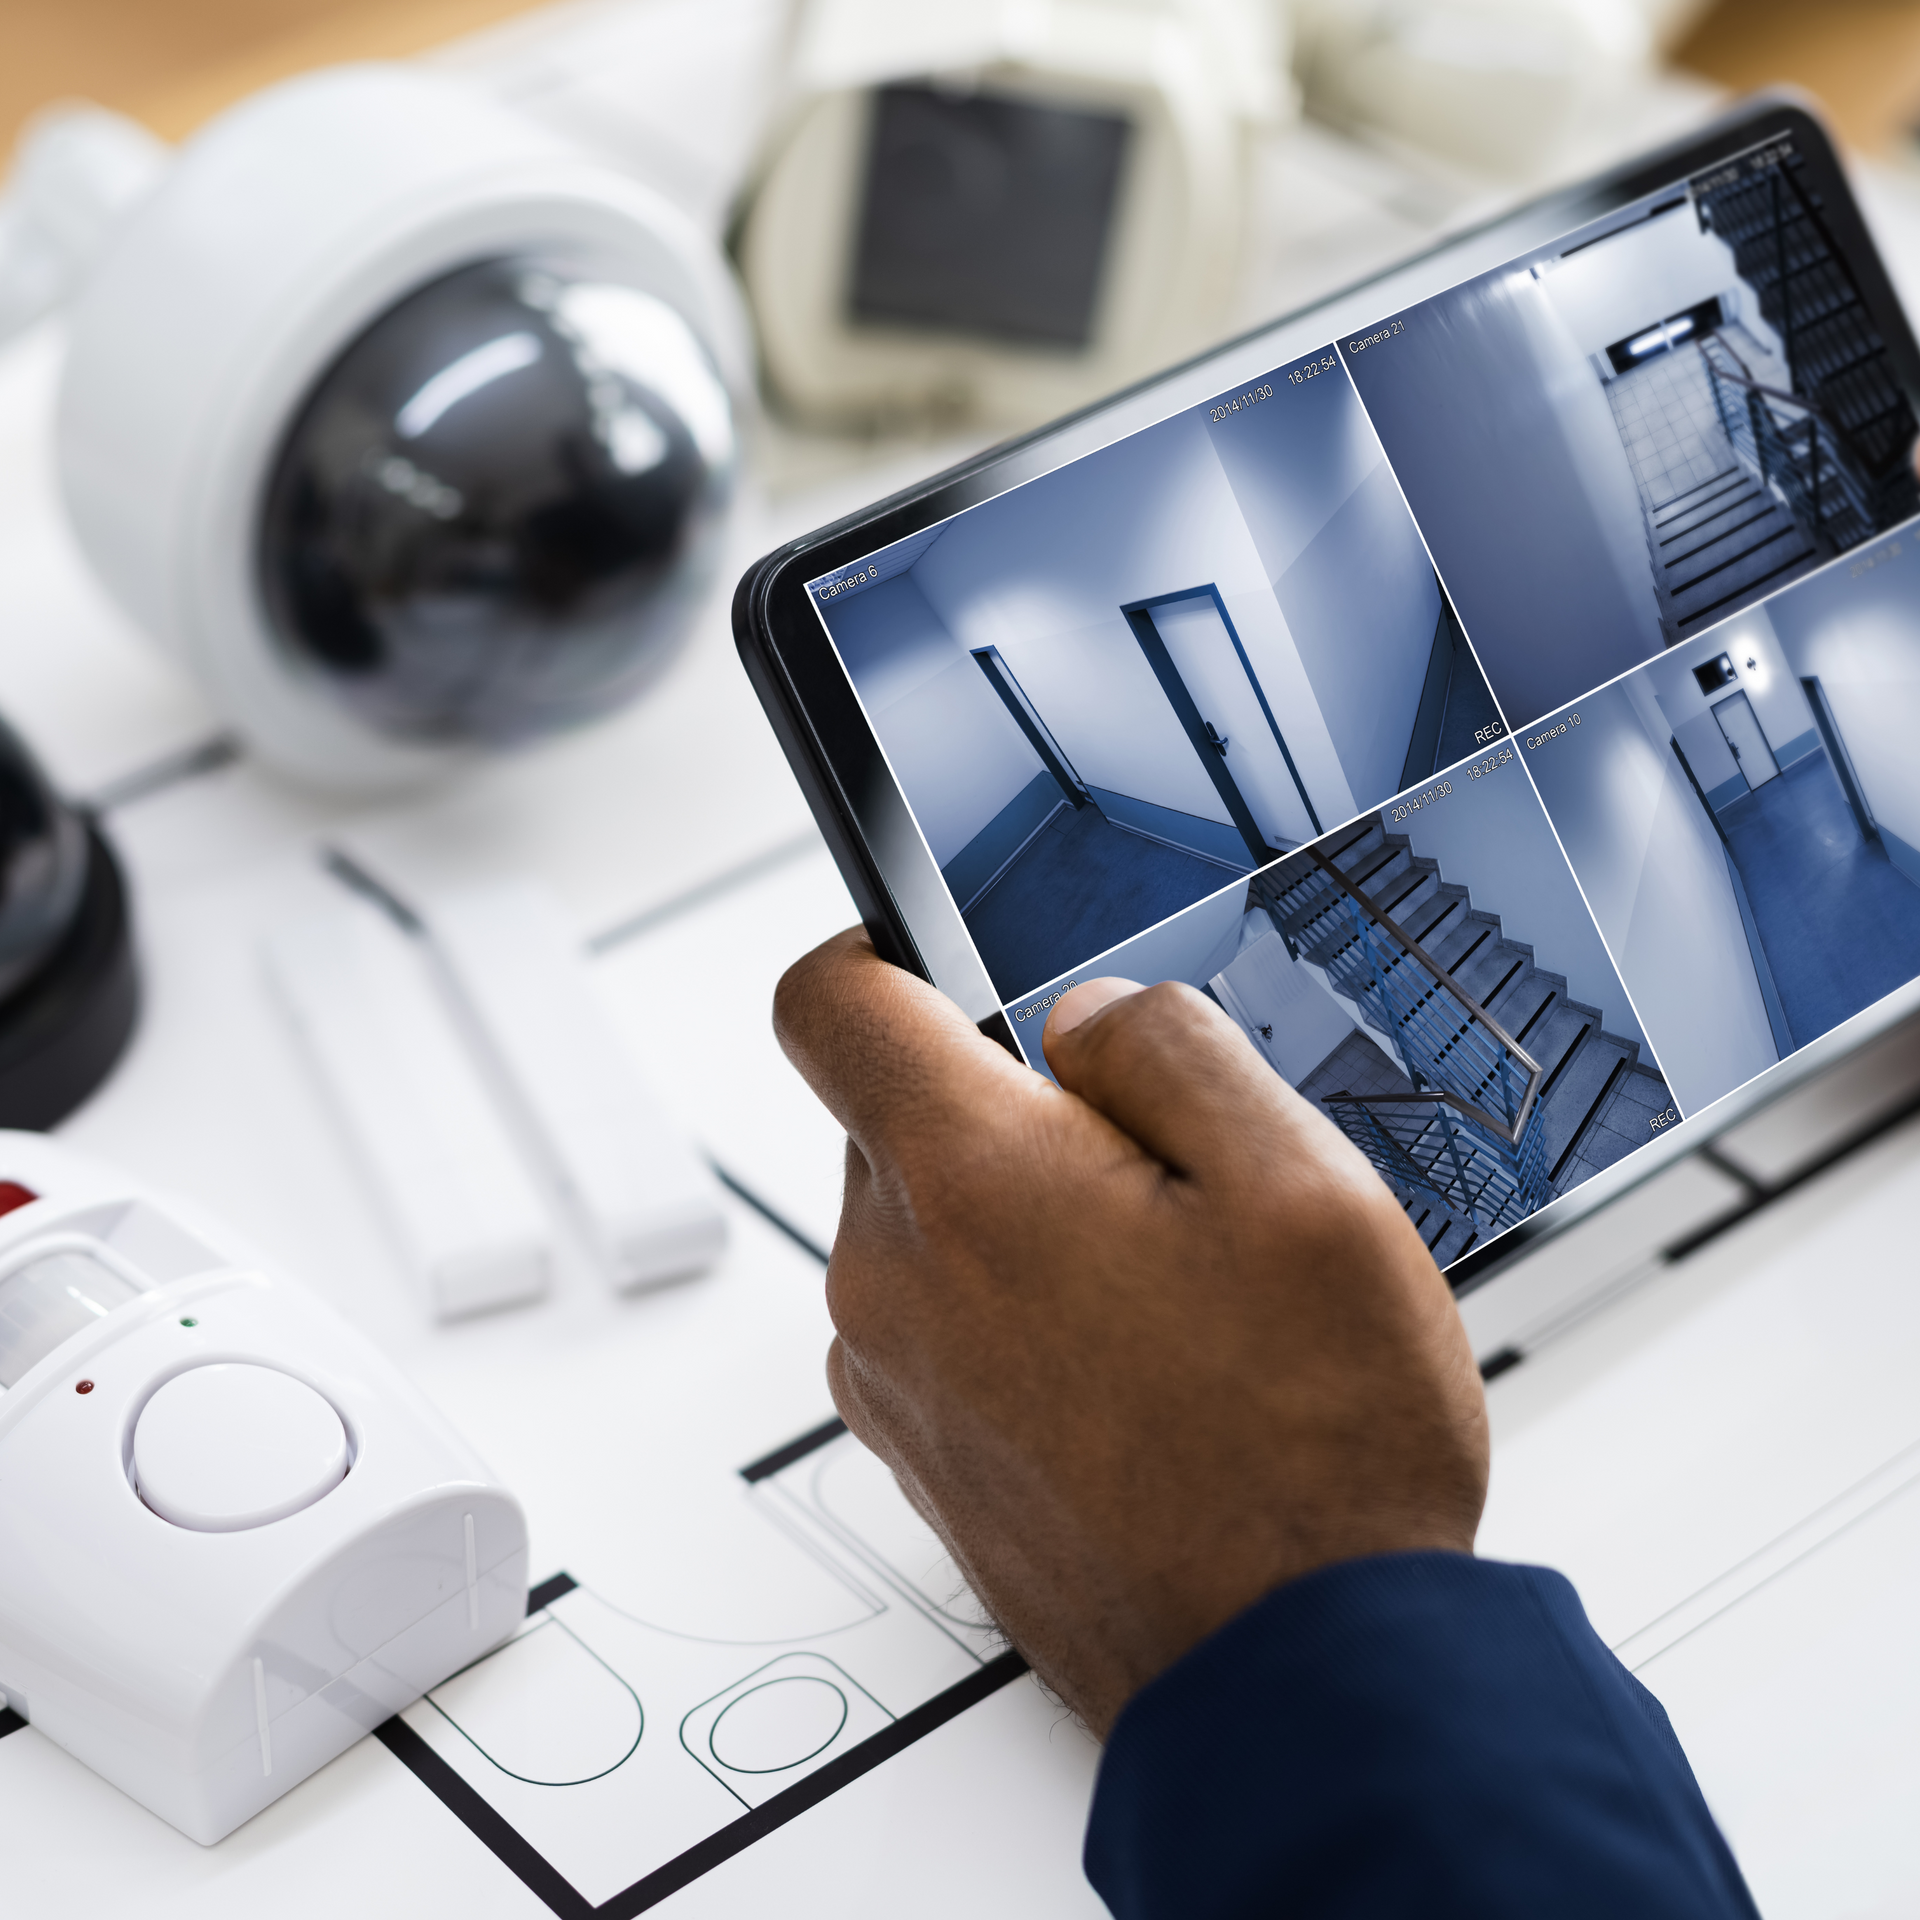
{"x":1836,"y":746}
{"x":1026,"y":716}
{"x":1733,"y":746}
{"x":1206,"y":745}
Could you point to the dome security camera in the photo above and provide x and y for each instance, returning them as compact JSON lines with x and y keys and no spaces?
{"x":404,"y":426}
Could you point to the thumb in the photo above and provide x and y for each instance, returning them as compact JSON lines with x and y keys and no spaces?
{"x":1167,"y":1067}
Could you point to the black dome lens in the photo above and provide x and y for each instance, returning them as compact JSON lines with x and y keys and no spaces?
{"x":501,"y":504}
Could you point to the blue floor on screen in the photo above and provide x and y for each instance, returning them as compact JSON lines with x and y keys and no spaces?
{"x":1081,"y":886}
{"x":1840,"y":923}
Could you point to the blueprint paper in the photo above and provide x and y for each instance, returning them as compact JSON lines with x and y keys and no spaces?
{"x":624,"y":1755}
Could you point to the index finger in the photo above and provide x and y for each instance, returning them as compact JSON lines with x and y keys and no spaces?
{"x":885,"y":1050}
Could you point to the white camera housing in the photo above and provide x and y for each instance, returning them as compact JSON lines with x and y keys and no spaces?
{"x":331,"y":1548}
{"x":273,"y":239}
{"x":1194,"y":81}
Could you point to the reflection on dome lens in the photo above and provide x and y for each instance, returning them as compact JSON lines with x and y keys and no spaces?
{"x":501,"y":505}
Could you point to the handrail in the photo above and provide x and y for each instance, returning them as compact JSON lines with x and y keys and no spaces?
{"x":1430,"y":1095}
{"x":1794,"y":451}
{"x":1493,"y":1189}
{"x":1745,"y":379}
{"x":1535,"y":1073}
{"x":1374,"y":912}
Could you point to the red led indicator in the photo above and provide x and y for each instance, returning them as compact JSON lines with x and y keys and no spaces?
{"x":83,"y":1386}
{"x":13,"y":1194}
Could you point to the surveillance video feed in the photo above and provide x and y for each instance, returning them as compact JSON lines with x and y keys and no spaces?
{"x":1502,"y":714}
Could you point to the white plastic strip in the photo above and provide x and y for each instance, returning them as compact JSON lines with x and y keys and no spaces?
{"x":645,"y":1204}
{"x":415,"y":1112}
{"x":260,"y":1718}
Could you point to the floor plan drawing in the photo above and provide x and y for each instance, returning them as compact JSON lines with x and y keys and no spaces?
{"x":609,"y":1759}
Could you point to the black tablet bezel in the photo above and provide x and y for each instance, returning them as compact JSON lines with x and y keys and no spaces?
{"x":888,"y":869}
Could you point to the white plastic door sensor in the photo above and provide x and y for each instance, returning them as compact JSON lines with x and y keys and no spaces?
{"x":413,"y":1108}
{"x":233,"y":1538}
{"x":643,"y":1201}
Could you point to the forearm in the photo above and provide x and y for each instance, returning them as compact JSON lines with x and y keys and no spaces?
{"x":1412,"y":1734}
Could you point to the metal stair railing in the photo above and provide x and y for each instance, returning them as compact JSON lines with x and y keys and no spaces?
{"x":1835,"y":353}
{"x":1470,"y":1131}
{"x":1791,"y":446}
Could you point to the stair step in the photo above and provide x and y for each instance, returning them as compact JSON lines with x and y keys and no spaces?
{"x":1579,"y":1084}
{"x":1337,"y":846}
{"x":1522,"y":1004}
{"x":1436,"y":916}
{"x":1588,"y":1074}
{"x":1409,"y":892}
{"x":1751,"y":536}
{"x":1730,"y":502}
{"x":1693,"y":493}
{"x":1709,"y":546}
{"x":1559,"y":1031}
{"x":1783,"y":558}
{"x":1620,"y":1122}
{"x":1493,"y":966}
{"x":1529,"y":1031}
{"x":1460,"y":941}
{"x":1376,"y":867}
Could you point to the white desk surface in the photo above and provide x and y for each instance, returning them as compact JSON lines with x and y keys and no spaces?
{"x":1666,"y":1440}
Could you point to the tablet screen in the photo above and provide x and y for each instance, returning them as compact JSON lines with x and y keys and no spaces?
{"x":1506,"y":712}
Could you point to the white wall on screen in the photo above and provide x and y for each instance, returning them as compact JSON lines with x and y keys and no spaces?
{"x":1294,"y":460}
{"x":1503,"y":437}
{"x":1619,"y":286}
{"x":1655,"y":873}
{"x":1363,"y":607}
{"x":959,"y":755}
{"x":1265,"y":986}
{"x":1355,"y":587}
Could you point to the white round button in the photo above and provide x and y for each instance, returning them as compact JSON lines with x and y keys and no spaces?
{"x":230,"y":1446}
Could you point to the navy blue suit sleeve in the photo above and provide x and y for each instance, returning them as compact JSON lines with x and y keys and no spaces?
{"x":1419,"y":1734}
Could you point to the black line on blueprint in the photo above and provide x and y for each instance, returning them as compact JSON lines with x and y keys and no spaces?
{"x":697,"y":896}
{"x":783,"y":1457}
{"x":10,"y":1722}
{"x":548,"y":1591}
{"x":488,"y":1827}
{"x":771,"y":1215}
{"x":817,"y":1786}
{"x":170,"y":770}
{"x":521,"y":1858}
{"x":358,"y":878}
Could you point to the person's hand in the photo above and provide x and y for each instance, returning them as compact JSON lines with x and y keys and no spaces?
{"x":1140,"y":1350}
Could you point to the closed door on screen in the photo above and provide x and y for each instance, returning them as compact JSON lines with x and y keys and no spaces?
{"x":1743,"y":735}
{"x":1236,"y":729}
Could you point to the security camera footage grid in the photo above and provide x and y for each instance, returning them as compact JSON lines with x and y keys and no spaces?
{"x":1504,"y":714}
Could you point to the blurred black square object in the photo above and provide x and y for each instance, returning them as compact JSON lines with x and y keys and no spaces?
{"x":986,"y":214}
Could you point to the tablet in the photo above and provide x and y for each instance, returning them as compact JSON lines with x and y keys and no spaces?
{"x":1497,"y":687}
